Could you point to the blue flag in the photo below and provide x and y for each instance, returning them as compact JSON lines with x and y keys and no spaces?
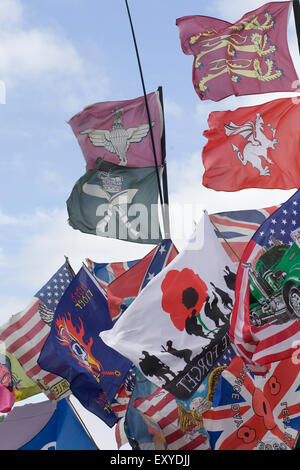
{"x":42,"y":426}
{"x":75,"y":351}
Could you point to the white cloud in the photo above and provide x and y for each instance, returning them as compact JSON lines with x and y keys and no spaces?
{"x":48,"y":60}
{"x":172,"y":108}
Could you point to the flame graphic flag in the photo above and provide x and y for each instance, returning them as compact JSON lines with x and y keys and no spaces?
{"x":75,"y":351}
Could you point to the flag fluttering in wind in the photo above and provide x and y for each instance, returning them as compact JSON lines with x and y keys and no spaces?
{"x":119,"y":132}
{"x":177,"y":326}
{"x":265,"y":319}
{"x":117,"y":202}
{"x":25,"y":333}
{"x":123,"y":290}
{"x":41,"y":426}
{"x":7,"y":398}
{"x":23,"y":386}
{"x":236,"y":228}
{"x":253,"y":147}
{"x":74,"y":350}
{"x":255,"y":413}
{"x":247,"y":57}
{"x":108,"y":272}
{"x":162,"y":408}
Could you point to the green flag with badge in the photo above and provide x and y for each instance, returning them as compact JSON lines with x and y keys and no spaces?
{"x":115,"y":202}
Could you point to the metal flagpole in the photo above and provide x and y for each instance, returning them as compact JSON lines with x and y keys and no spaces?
{"x":81,"y":421}
{"x":148,"y":112}
{"x":164,"y":164}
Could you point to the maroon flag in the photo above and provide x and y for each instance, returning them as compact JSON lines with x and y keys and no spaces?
{"x":119,"y":132}
{"x":248,"y":57}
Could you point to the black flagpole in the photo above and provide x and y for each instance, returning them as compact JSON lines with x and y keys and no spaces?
{"x":296,"y":8}
{"x":164,"y":165}
{"x":148,"y":113}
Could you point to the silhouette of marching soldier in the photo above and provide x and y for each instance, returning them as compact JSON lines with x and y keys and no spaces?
{"x":152,"y":365}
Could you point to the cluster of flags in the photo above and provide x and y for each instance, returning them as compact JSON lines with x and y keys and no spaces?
{"x":190,"y":350}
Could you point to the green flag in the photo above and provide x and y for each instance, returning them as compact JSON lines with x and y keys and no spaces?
{"x":115,"y":202}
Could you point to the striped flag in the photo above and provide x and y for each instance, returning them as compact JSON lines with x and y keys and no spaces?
{"x":265,"y":319}
{"x":161,"y":406}
{"x":25,"y":333}
{"x":123,"y":290}
{"x":108,"y":272}
{"x":238,"y":227}
{"x":255,"y":413}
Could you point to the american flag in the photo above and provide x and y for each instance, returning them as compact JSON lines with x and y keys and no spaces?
{"x":271,"y":337}
{"x":251,"y":412}
{"x":25,"y":333}
{"x":108,"y":272}
{"x":238,"y":227}
{"x":161,"y":406}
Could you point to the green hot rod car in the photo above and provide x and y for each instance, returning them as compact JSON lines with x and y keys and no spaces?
{"x":274,"y":283}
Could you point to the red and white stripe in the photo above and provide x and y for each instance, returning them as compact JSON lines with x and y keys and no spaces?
{"x":24,"y":335}
{"x":258,"y":346}
{"x":161,"y":406}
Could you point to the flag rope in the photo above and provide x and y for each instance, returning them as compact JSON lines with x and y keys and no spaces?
{"x":227,"y":243}
{"x":148,"y":112}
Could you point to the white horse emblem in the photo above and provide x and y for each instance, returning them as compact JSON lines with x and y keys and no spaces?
{"x":257,"y":143}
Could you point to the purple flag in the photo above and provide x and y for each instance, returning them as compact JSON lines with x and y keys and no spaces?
{"x":119,"y":132}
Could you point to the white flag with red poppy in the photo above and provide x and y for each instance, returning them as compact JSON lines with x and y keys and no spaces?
{"x":177,"y":327}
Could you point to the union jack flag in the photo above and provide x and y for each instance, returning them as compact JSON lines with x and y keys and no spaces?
{"x":250,"y":412}
{"x":265,"y":318}
{"x":125,"y":288}
{"x":238,"y":227}
{"x":108,"y":272}
{"x":161,"y":406}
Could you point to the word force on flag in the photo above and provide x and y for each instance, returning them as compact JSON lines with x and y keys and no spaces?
{"x":177,"y":327}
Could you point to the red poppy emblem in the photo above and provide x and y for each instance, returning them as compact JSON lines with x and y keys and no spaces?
{"x":184,"y":294}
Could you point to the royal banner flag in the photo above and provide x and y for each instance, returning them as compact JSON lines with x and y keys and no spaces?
{"x":247,"y":57}
{"x":25,"y":333}
{"x":255,"y":413}
{"x":177,"y":327}
{"x":253,"y":147}
{"x":108,"y":272}
{"x":123,"y":290}
{"x":265,"y":322}
{"x":41,"y":426}
{"x":119,"y":132}
{"x":116,"y":202}
{"x":236,"y":228}
{"x":74,"y":350}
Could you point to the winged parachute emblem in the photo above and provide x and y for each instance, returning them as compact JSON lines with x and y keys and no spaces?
{"x":117,"y":140}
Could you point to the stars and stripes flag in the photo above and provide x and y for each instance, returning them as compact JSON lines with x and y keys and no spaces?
{"x":238,"y":227}
{"x":161,"y":406}
{"x":122,"y":291}
{"x":108,"y":272}
{"x":25,"y":333}
{"x":251,"y":412}
{"x":265,"y":318}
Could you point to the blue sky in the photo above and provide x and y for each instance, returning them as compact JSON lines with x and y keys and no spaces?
{"x":58,"y":56}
